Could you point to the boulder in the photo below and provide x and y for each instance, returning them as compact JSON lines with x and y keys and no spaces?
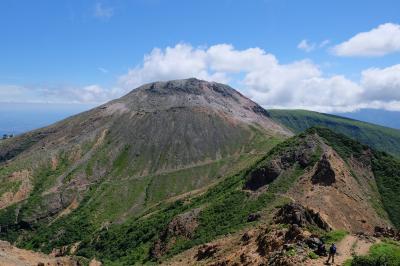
{"x":294,"y":213}
{"x":206,"y":251}
{"x":324,"y":174}
{"x":253,"y":217}
{"x":313,"y":242}
{"x":263,"y":175}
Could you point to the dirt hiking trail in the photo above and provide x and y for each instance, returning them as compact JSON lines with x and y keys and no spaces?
{"x":351,"y":245}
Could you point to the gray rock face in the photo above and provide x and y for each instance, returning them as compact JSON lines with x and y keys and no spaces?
{"x":194,"y":93}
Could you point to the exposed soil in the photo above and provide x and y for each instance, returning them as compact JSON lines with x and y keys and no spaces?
{"x":12,"y":256}
{"x":9,"y":198}
{"x":342,"y":200}
{"x":257,"y":247}
{"x":350,"y":246}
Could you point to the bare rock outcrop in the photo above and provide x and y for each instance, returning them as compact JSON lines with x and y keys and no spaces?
{"x":206,"y":251}
{"x":324,"y":174}
{"x":387,"y":232}
{"x":182,"y":225}
{"x":297,"y":214}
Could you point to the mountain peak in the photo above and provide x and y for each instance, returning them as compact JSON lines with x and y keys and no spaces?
{"x":192,"y":86}
{"x":199,"y":95}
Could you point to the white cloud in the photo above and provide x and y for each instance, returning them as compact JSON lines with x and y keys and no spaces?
{"x":306,"y":46}
{"x":256,"y":73}
{"x":259,"y":75}
{"x":103,"y":12}
{"x":299,"y":84}
{"x":181,"y":61}
{"x":379,"y":41}
{"x":382,"y":84}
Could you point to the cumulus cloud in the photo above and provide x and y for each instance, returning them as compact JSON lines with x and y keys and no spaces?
{"x":379,"y":41}
{"x":177,"y":62}
{"x":259,"y":75}
{"x":256,"y":73}
{"x":382,"y":84}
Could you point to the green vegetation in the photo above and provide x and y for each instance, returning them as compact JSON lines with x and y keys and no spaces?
{"x":378,"y":137}
{"x":343,"y":145}
{"x":224,"y":209}
{"x":121,"y":163}
{"x":334,"y":236}
{"x":387,"y":175}
{"x":386,"y":253}
{"x":121,"y":216}
{"x":312,"y":255}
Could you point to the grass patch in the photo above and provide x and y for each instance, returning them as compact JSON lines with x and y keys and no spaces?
{"x":312,"y":255}
{"x":334,"y":236}
{"x":384,"y":253}
{"x":387,"y":176}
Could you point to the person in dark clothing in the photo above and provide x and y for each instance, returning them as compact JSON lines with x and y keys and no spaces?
{"x":321,"y":250}
{"x":332,"y":252}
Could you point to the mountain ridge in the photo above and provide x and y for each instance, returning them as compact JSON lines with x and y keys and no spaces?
{"x":379,"y":137}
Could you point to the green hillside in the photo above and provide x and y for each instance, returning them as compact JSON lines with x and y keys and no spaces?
{"x":221,"y":210}
{"x":378,"y":137}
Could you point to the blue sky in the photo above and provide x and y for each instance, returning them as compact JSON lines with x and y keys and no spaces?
{"x":282,"y":54}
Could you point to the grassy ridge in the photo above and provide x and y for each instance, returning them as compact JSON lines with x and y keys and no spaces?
{"x":377,"y":137}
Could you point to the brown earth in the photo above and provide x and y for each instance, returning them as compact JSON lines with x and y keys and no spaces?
{"x":350,"y":246}
{"x":12,"y":256}
{"x":330,"y":189}
{"x":10,"y":197}
{"x":269,"y":246}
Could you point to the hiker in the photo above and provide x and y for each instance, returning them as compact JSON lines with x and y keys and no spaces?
{"x":332,"y":252}
{"x":321,"y":250}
